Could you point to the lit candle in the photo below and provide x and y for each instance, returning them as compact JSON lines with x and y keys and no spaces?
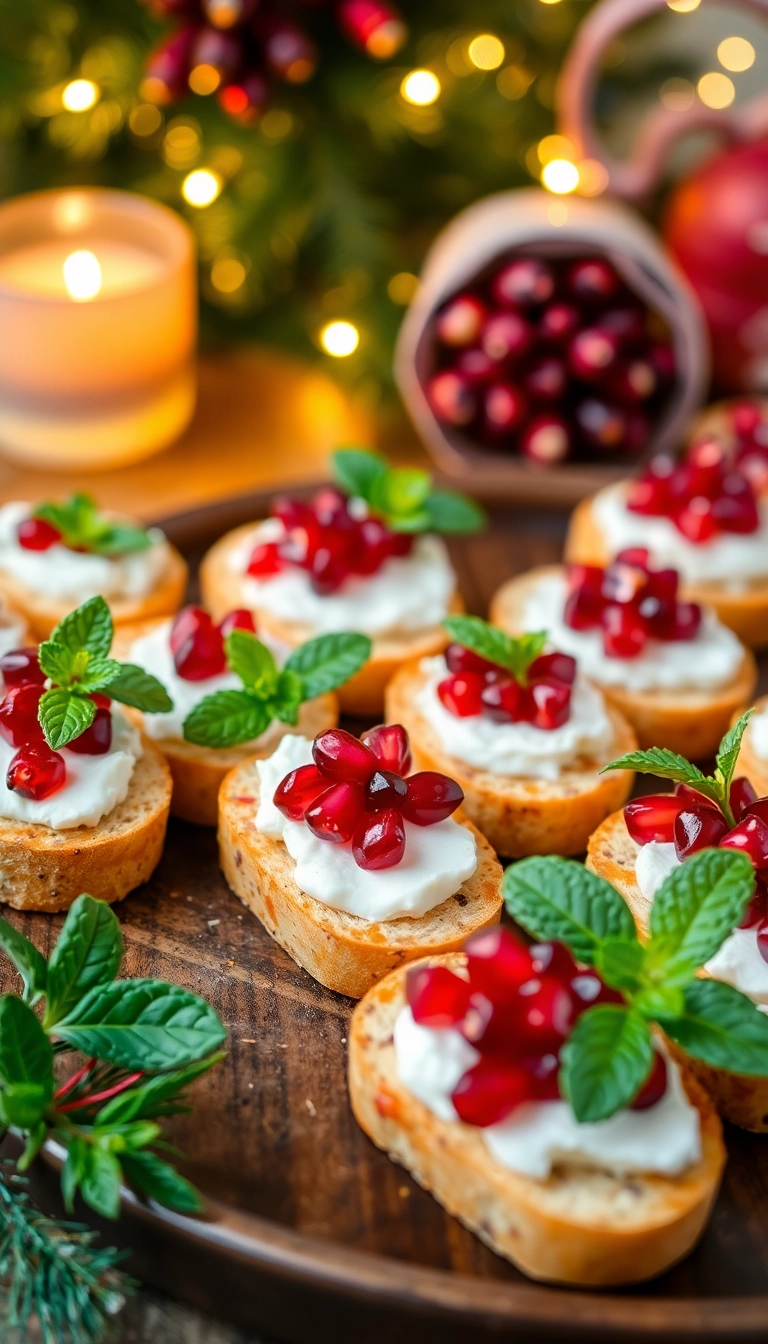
{"x":97,"y":328}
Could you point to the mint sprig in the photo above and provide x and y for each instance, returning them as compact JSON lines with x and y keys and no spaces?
{"x":486,"y":640}
{"x":77,"y":663}
{"x":403,"y":496}
{"x":228,"y":718}
{"x":668,"y":765}
{"x":82,"y":527}
{"x":608,"y":1056}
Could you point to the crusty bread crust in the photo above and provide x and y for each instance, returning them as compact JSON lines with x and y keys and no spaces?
{"x":342,"y":951}
{"x":746,"y":613}
{"x":612,"y":853}
{"x":363,"y":695}
{"x":754,"y":767}
{"x":198,"y":771}
{"x":577,"y":1227}
{"x":43,"y":613}
{"x":519,"y":816}
{"x":43,"y":869}
{"x":687,"y":721}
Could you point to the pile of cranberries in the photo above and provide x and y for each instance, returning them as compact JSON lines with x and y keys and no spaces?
{"x":328,"y":540}
{"x":477,"y":686}
{"x":704,"y":495}
{"x":356,"y":793}
{"x":517,"y":1008}
{"x":692,"y":822}
{"x":551,"y":359}
{"x":630,"y":603}
{"x":197,"y":644}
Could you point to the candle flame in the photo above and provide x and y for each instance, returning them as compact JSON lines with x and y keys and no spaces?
{"x":82,"y":276}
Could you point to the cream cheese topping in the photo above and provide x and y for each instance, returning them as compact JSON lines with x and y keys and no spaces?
{"x":437,"y":858}
{"x":757,"y":731}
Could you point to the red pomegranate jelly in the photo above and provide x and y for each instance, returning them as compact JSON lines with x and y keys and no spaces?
{"x":705,"y":496}
{"x":630,"y":602}
{"x":476,"y":686}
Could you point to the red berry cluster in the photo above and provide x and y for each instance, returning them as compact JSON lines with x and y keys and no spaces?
{"x":552,"y":359}
{"x":247,"y":43}
{"x":630,"y":602}
{"x":356,"y":792}
{"x":692,"y":822}
{"x":324,"y":538}
{"x":748,"y":425}
{"x":704,"y":495}
{"x":517,"y":1008}
{"x":477,"y":686}
{"x":197,"y":644}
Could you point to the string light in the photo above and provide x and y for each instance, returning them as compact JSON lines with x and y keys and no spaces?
{"x":593,"y":177}
{"x":204,"y":79}
{"x":560,"y":176}
{"x":421,"y":87}
{"x":486,"y":51}
{"x":201,"y":187}
{"x":82,"y":276}
{"x":80,"y":94}
{"x":228,"y":275}
{"x":716,"y":90}
{"x":402,"y":287}
{"x":554,"y":147}
{"x":339,"y":339}
{"x":736,"y":54}
{"x":145,"y":120}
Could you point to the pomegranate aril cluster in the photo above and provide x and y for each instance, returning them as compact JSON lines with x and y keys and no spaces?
{"x":477,"y":686}
{"x":630,"y":602}
{"x":705,"y":494}
{"x":197,"y":643}
{"x":748,"y":425}
{"x":516,"y":1007}
{"x":326,"y":539}
{"x":35,"y":770}
{"x":356,"y":793}
{"x":551,"y":359}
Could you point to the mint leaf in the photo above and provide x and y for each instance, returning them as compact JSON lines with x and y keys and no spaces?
{"x":728,"y":753}
{"x":698,"y":905}
{"x":100,"y":1181}
{"x":31,"y":964}
{"x":668,"y":765}
{"x":400,"y":492}
{"x":133,"y":686}
{"x":89,"y":627}
{"x":560,"y":901}
{"x":606,"y":1060}
{"x":82,"y":525}
{"x":516,"y":655}
{"x":121,"y":539}
{"x":289,"y":693}
{"x":149,"y":1174}
{"x":356,"y":471}
{"x":721,"y":1027}
{"x":453,"y":513}
{"x":23,"y":1105}
{"x":57,"y":661}
{"x":142,"y":1025}
{"x":251,"y":661}
{"x":620,"y":964}
{"x":88,"y":953}
{"x":329,"y":661}
{"x":64,"y":716}
{"x":157,"y":1096}
{"x":99,"y":674}
{"x":225,"y":719}
{"x":74,"y":1168}
{"x":26,"y":1055}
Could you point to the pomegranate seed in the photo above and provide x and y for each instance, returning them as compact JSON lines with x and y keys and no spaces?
{"x":498,"y":963}
{"x":695,"y":521}
{"x":546,"y":439}
{"x":460,"y":659}
{"x":379,"y":841}
{"x":330,"y":507}
{"x":553,"y":667}
{"x":384,"y":790}
{"x":555,"y":959}
{"x":593,"y":279}
{"x":588,"y":990}
{"x":460,"y":321}
{"x":741,"y":797}
{"x":527,"y":281}
{"x":582,"y":610}
{"x":702,"y":828}
{"x":452,"y":398}
{"x":490,"y":1091}
{"x":199,"y":652}
{"x":389,"y":744}
{"x":623,"y":582}
{"x":504,"y":408}
{"x":334,"y":814}
{"x":21,"y":668}
{"x":35,"y":534}
{"x":462,"y":694}
{"x":506,"y":336}
{"x":553,"y":704}
{"x":430,"y":798}
{"x":240,"y":619}
{"x":298,"y":790}
{"x":339,"y":755}
{"x":36,"y":772}
{"x":624,"y":633}
{"x":506,"y":701}
{"x":547,"y":1015}
{"x":653,"y":818}
{"x":19,"y":723}
{"x":757,"y":910}
{"x":97,"y":738}
{"x":265,"y":560}
{"x":436,"y":997}
{"x":654,"y":1087}
{"x":291,"y":512}
{"x":185,"y":625}
{"x":751,"y":837}
{"x":745,"y":416}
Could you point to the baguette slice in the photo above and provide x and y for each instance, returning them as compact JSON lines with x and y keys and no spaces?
{"x":741,"y":1100}
{"x":519,"y":816}
{"x":342,"y":951}
{"x":578,"y":1226}
{"x":750,"y":764}
{"x":688,"y":721}
{"x":43,"y":869}
{"x":745,"y":612}
{"x":363,"y":695}
{"x":43,"y":612}
{"x":198,"y":771}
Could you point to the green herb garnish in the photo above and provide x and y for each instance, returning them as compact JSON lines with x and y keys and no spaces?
{"x":82,"y":527}
{"x":486,"y":640}
{"x":403,"y":496}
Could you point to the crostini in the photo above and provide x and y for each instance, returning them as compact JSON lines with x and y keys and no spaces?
{"x":670,"y":667}
{"x":753,"y":757}
{"x":84,"y":798}
{"x":53,"y":557}
{"x":523,"y":736}
{"x":351,"y":863}
{"x":362,"y":555}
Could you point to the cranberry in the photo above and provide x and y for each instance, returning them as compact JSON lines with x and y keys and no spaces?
{"x":476,"y":367}
{"x":389,"y":744}
{"x":35,"y":534}
{"x":698,"y":828}
{"x":654,"y":1087}
{"x":553,"y":667}
{"x":97,"y":738}
{"x":19,"y":723}
{"x":593,"y":352}
{"x":36,"y":772}
{"x":340,"y":756}
{"x":627,"y":324}
{"x":298,"y":790}
{"x":452,"y":398}
{"x":624,"y":634}
{"x":460,"y":321}
{"x":750,"y":836}
{"x":653,"y":818}
{"x":506,"y":336}
{"x":547,"y":439}
{"x":552,"y":701}
{"x":603,"y":425}
{"x":430,"y":798}
{"x":462,"y":694}
{"x":633,"y":380}
{"x":384,"y":790}
{"x":504,"y":408}
{"x":741,"y":797}
{"x":379,"y":841}
{"x":559,"y":322}
{"x":240,"y":619}
{"x":546,"y":379}
{"x":20,"y":667}
{"x":593,"y":280}
{"x":436,"y":997}
{"x":490,"y":1091}
{"x":197,"y":646}
{"x":526,"y":281}
{"x":334,"y":814}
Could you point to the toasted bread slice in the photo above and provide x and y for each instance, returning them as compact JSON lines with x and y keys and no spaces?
{"x":579,"y":1226}
{"x":691,"y":722}
{"x":744,"y":612}
{"x":750,"y":764}
{"x":43,"y":869}
{"x":363,"y":695}
{"x":43,"y":612}
{"x":198,"y":771}
{"x":518,"y":816}
{"x":342,"y":951}
{"x":612,"y":854}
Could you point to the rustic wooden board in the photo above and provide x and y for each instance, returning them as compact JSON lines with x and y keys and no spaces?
{"x":313,"y":1233}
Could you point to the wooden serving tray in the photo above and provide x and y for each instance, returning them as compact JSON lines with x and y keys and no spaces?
{"x":313,"y":1234}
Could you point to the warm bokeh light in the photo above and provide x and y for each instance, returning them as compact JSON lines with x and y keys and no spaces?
{"x":145,"y":120}
{"x":402,"y":287}
{"x":204,"y":79}
{"x":339,"y":339}
{"x":549,"y":2}
{"x":228,"y":275}
{"x":716,"y":90}
{"x":421,"y":88}
{"x":554,"y":147}
{"x":677,"y":95}
{"x":201,"y":187}
{"x":80,"y":94}
{"x":560,"y":176}
{"x":82,"y":276}
{"x":385,"y":39}
{"x":276,"y":124}
{"x":181,"y":143}
{"x":683,"y":6}
{"x":486,"y":51}
{"x":593,"y":177}
{"x":736,"y":54}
